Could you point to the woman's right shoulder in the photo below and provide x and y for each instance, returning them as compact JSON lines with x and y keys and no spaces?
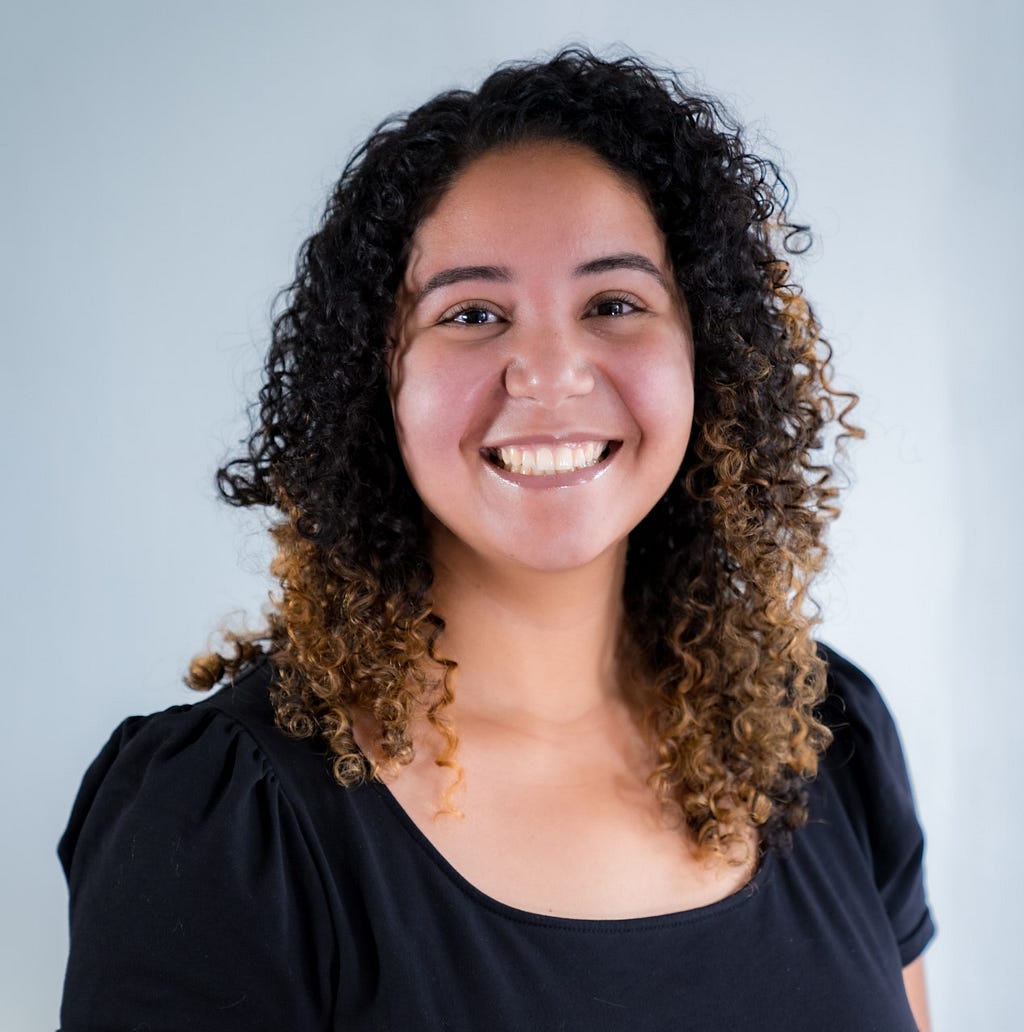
{"x":192,"y":839}
{"x":199,"y":757}
{"x":181,"y":748}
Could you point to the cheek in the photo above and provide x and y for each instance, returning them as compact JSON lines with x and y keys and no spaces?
{"x":658,"y":387}
{"x":440,"y":402}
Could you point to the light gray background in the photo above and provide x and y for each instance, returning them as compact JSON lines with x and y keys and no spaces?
{"x":162,"y":163}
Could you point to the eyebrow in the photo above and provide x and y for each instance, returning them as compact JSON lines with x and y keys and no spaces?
{"x":500,"y":274}
{"x":626,"y":260}
{"x":445,"y":278}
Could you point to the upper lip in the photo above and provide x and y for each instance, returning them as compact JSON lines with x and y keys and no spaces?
{"x":550,"y":439}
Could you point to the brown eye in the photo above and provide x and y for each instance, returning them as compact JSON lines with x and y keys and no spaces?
{"x":614,"y":307}
{"x":470,"y":315}
{"x":473,"y":317}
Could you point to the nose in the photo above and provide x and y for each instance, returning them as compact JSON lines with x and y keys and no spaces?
{"x":549,"y":368}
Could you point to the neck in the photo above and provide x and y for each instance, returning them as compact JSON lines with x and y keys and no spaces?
{"x":533,"y":648}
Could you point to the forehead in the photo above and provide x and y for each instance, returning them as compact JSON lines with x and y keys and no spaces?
{"x":540,"y":199}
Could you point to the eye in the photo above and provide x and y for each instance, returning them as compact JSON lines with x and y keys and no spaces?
{"x":615,"y":307}
{"x":470,"y":313}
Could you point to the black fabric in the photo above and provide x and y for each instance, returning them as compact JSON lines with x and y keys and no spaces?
{"x":220,"y":879}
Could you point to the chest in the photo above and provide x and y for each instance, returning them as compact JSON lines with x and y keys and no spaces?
{"x":804,"y":945}
{"x":788,"y":952}
{"x":580,"y":843}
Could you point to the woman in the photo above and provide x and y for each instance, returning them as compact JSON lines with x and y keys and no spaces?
{"x":537,"y":735}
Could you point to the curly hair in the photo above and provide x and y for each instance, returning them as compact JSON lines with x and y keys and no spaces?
{"x":716,"y":589}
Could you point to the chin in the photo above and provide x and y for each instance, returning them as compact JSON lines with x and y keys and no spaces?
{"x":539,"y":549}
{"x":559,"y":559}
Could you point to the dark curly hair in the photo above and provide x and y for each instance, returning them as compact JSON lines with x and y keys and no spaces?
{"x":716,"y":590}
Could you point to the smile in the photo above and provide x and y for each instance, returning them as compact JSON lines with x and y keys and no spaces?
{"x":549,"y":460}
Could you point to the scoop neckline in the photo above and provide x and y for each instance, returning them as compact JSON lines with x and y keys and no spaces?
{"x":742,"y":895}
{"x":749,"y":891}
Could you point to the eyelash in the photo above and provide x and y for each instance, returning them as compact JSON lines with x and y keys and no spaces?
{"x":451,"y":317}
{"x":619,"y":299}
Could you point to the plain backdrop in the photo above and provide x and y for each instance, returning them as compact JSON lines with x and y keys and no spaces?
{"x":161,"y":165}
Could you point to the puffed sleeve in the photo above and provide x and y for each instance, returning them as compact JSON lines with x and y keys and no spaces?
{"x":874,"y":780}
{"x":194,"y":900}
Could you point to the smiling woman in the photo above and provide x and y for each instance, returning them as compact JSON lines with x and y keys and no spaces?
{"x":538,"y":734}
{"x":548,"y":351}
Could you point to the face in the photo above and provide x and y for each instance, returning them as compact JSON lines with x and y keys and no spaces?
{"x":542,"y":375}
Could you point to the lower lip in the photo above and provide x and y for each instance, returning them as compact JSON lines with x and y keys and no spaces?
{"x":547,"y":481}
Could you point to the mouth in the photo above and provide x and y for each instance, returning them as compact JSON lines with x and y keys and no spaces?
{"x":550,"y":460}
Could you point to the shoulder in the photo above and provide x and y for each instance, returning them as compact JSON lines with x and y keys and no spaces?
{"x":852,"y":698}
{"x":226,"y":740}
{"x":185,"y":844}
{"x":865,"y":741}
{"x":850,"y":692}
{"x":863,"y":781}
{"x":178,"y":752}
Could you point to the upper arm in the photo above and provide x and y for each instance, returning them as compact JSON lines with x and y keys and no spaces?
{"x":194,"y":901}
{"x":870,"y":771}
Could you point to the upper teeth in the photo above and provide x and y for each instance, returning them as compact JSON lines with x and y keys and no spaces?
{"x":547,"y":461}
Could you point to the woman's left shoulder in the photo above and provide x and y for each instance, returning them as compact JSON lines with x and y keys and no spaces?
{"x":853,"y":704}
{"x":865,"y":769}
{"x":866,"y":747}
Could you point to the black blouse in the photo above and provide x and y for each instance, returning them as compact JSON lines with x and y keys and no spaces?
{"x":220,"y":879}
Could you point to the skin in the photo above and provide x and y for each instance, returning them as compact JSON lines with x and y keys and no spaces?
{"x":507,"y":332}
{"x":917,"y":993}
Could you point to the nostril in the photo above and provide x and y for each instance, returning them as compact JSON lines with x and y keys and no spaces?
{"x":547,"y":378}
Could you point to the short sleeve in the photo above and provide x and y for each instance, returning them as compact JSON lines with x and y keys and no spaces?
{"x":194,"y":900}
{"x":868,"y":765}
